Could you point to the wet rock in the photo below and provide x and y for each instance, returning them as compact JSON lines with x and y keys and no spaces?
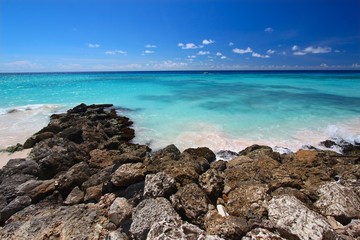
{"x":212,"y":182}
{"x":75,"y":196}
{"x":202,"y":152}
{"x":247,"y":200}
{"x":159,"y":185}
{"x":192,"y":203}
{"x":294,"y":220}
{"x":226,"y":227}
{"x":14,"y":148}
{"x":261,"y":233}
{"x":148,"y":212}
{"x":338,"y":201}
{"x":119,"y":211}
{"x":128,"y":174}
{"x":14,"y":206}
{"x":226,"y":155}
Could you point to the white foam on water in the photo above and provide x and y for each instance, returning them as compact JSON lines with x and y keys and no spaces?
{"x":19,"y":123}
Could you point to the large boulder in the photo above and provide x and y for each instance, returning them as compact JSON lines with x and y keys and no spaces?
{"x":147,"y":213}
{"x":14,"y":206}
{"x":128,"y":174}
{"x":294,"y":220}
{"x":159,"y":185}
{"x":192,"y":203}
{"x":75,"y":176}
{"x":21,"y":166}
{"x":119,"y":211}
{"x":338,"y":201}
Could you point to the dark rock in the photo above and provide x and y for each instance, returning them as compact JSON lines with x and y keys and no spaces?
{"x":159,"y":185}
{"x":20,"y":166}
{"x":8,"y":186}
{"x":14,"y":206}
{"x":328,"y":144}
{"x":202,"y":152}
{"x":75,"y":176}
{"x":102,"y":158}
{"x":191,"y":203}
{"x":134,"y":193}
{"x":55,"y":155}
{"x":73,"y":134}
{"x":93,"y":193}
{"x":30,"y":142}
{"x":15,"y":148}
{"x":147,"y":213}
{"x":44,"y":135}
{"x":170,"y":152}
{"x":37,"y":189}
{"x":81,"y":108}
{"x":100,"y":177}
{"x":212,"y":182}
{"x":219,"y":165}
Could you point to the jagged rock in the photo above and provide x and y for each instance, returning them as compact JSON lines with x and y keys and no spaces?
{"x":14,"y":206}
{"x":226,"y":227}
{"x":8,"y":186}
{"x":261,"y":233}
{"x":75,"y":196}
{"x":44,"y":135}
{"x":20,"y":166}
{"x":247,"y":200}
{"x":293,"y":192}
{"x":147,"y":213}
{"x":338,"y":201}
{"x":37,"y":189}
{"x":294,"y":220}
{"x":173,"y":230}
{"x":258,"y":151}
{"x":75,"y":176}
{"x":170,"y":152}
{"x":93,"y":193}
{"x":212,"y":182}
{"x":119,"y":211}
{"x":47,"y":221}
{"x":55,"y":155}
{"x":102,"y":158}
{"x":192,"y":203}
{"x":128,"y":174}
{"x":219,"y":165}
{"x":159,"y":185}
{"x":73,"y":134}
{"x":3,"y":201}
{"x":100,"y":177}
{"x":117,"y":235}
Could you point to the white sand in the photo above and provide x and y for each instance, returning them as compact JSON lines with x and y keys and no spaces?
{"x":5,"y":157}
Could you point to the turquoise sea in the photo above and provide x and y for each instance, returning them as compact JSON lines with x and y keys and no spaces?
{"x":221,"y":110}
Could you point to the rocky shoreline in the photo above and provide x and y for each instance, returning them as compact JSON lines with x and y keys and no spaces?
{"x":84,"y":179}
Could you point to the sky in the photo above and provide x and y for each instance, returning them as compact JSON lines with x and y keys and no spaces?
{"x":134,"y":35}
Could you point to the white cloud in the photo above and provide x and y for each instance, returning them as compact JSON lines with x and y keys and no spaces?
{"x":223,"y":57}
{"x":218,"y":54}
{"x":299,"y":53}
{"x":356,"y":65}
{"x":170,"y":65}
{"x":207,"y":42}
{"x":295,"y":48}
{"x":148,"y":51}
{"x":242,"y":51}
{"x":150,"y":46}
{"x":316,"y":50}
{"x":324,"y":65}
{"x":270,"y":51}
{"x":337,"y":51}
{"x":203,"y":53}
{"x":115,"y":52}
{"x":192,"y":56}
{"x":257,"y":55}
{"x":231,"y":44}
{"x":310,"y":50}
{"x":93,"y":45}
{"x":269,"y":30}
{"x":187,"y":46}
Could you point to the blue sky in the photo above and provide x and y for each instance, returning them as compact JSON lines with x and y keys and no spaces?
{"x":109,"y":35}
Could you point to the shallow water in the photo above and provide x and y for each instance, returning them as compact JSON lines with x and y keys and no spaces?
{"x":221,"y":110}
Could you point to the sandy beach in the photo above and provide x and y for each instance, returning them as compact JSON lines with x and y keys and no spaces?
{"x":5,"y":157}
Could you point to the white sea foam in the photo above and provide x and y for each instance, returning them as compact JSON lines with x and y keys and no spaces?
{"x":19,"y":123}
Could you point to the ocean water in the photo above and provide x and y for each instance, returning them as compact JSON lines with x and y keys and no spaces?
{"x":221,"y":110}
